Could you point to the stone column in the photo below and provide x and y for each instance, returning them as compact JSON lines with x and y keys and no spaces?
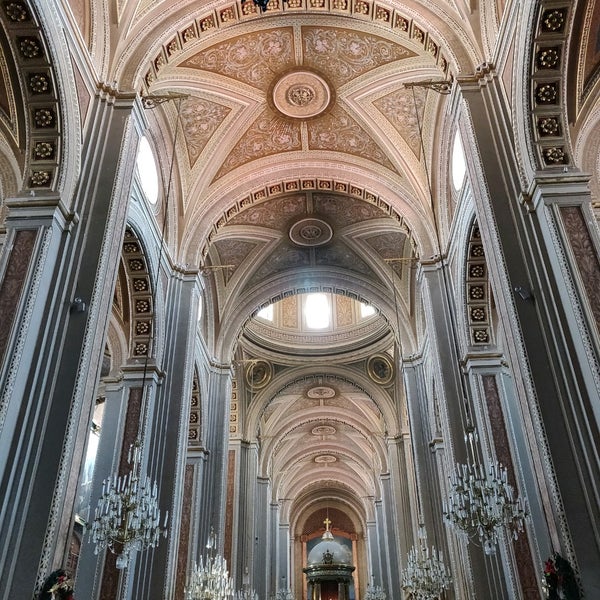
{"x":426,"y":436}
{"x":546,"y":240}
{"x":243,"y":508}
{"x":468,"y":563}
{"x":164,"y":431}
{"x":209,"y":507}
{"x":494,"y":396}
{"x":97,"y":575}
{"x":391,"y":537}
{"x":59,"y":250}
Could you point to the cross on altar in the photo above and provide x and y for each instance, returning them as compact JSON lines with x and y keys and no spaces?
{"x":327,"y":523}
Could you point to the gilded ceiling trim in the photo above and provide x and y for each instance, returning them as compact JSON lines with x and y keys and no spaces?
{"x":365,"y":10}
{"x":297,"y":185}
{"x":41,"y":110}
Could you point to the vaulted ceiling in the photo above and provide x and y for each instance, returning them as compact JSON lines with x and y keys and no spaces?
{"x":303,"y":157}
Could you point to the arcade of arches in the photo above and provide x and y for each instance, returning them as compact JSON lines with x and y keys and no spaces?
{"x":296,"y":254}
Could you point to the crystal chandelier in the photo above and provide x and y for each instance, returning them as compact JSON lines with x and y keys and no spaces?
{"x":127,"y":516}
{"x":425,"y":576}
{"x":210,"y":580}
{"x":481,"y":502}
{"x":246,"y":594}
{"x":374,"y":592}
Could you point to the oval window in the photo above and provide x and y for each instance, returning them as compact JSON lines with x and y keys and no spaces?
{"x":459,"y":167}
{"x":146,"y":166}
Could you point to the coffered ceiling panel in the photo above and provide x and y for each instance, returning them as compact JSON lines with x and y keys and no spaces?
{"x":344,"y":210}
{"x":273,"y":213}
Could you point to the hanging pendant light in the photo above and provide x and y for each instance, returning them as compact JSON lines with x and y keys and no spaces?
{"x":481,"y":502}
{"x":127,"y":517}
{"x":426,"y":576}
{"x":374,"y":592}
{"x":210,"y":578}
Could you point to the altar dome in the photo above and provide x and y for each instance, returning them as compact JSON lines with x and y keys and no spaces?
{"x":330,"y":552}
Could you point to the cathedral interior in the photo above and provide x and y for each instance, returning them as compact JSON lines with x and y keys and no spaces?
{"x":313,"y":283}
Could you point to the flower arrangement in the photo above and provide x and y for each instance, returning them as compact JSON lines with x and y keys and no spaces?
{"x":58,"y":586}
{"x":559,"y":579}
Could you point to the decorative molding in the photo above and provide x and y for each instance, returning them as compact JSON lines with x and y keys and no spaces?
{"x":300,"y":184}
{"x":374,"y":11}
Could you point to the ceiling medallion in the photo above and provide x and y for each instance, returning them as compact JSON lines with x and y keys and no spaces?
{"x":324,"y":430}
{"x":321,"y":391}
{"x":310,"y":232}
{"x":301,"y":94}
{"x":325,"y":458}
{"x":258,"y":373}
{"x":380,"y":369}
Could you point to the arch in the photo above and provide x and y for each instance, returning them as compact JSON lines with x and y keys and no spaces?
{"x":138,"y":297}
{"x":438,"y":31}
{"x":326,"y":280}
{"x":541,"y":87}
{"x":272,"y":181}
{"x":478,"y":292}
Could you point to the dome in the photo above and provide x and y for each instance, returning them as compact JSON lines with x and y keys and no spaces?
{"x":330,"y":552}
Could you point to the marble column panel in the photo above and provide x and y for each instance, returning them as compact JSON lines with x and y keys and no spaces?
{"x":528,"y":575}
{"x":13,"y":281}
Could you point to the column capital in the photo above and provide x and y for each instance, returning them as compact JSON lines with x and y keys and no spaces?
{"x":39,"y":208}
{"x":484,"y":74}
{"x":136,"y":373}
{"x":564,"y":188}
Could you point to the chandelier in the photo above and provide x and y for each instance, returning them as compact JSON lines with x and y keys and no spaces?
{"x":246,"y":594}
{"x":481,"y":502}
{"x":127,"y":516}
{"x":425,"y":576}
{"x":283,"y":595}
{"x":210,"y":581}
{"x":374,"y":592}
